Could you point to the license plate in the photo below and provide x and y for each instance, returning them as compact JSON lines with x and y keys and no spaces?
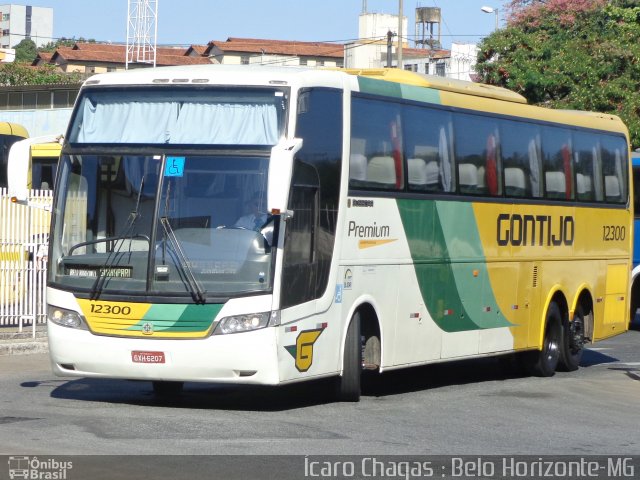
{"x":147,"y":357}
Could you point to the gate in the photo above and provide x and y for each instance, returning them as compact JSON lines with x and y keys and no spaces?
{"x":24,"y":241}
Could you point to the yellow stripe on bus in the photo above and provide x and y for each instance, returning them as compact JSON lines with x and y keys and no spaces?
{"x":362,"y":244}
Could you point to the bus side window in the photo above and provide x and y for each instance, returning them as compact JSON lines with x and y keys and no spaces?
{"x":584,"y":162}
{"x":477,"y":155}
{"x":614,"y":172}
{"x":520,"y":159}
{"x":314,"y":198}
{"x":377,"y":140}
{"x":557,"y":164}
{"x":427,"y":147}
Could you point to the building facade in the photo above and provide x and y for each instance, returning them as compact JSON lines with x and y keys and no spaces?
{"x":370,"y":50}
{"x":246,"y":51}
{"x":18,"y":22}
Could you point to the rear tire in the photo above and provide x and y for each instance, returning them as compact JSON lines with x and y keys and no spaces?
{"x":348,"y":386}
{"x":635,"y":301}
{"x":572,"y":342}
{"x":543,"y":363}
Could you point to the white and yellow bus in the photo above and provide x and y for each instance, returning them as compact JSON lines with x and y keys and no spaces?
{"x":27,"y":171}
{"x":32,"y":164}
{"x":398,"y":220}
{"x":10,"y":133}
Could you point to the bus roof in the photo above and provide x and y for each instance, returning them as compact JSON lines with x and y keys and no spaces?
{"x":44,"y":150}
{"x":440,"y":83}
{"x":453,"y":93}
{"x":7,"y":128}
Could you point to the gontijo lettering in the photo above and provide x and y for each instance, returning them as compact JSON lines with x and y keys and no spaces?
{"x":531,"y":230}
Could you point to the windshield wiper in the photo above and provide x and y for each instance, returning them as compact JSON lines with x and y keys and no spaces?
{"x":183,"y":263}
{"x":113,"y":257}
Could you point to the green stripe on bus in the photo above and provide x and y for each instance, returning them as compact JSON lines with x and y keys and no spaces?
{"x":452,"y":276}
{"x":379,"y":87}
{"x":420,"y":94}
{"x":179,"y":318}
{"x":398,"y":90}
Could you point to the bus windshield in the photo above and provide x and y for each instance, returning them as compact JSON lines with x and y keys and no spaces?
{"x":163,"y":224}
{"x":169,"y":115}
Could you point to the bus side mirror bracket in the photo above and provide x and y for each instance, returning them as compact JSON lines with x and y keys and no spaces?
{"x":280,"y":170}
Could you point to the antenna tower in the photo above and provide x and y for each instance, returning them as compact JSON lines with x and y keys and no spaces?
{"x":142,"y":31}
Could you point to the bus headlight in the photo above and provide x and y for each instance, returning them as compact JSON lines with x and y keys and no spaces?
{"x":64,"y":317}
{"x":242,"y":323}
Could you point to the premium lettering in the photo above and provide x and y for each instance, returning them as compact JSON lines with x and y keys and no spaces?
{"x":535,"y":230}
{"x":368,"y":231}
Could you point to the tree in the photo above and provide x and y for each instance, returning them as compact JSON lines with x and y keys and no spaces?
{"x":64,"y":42}
{"x":26,"y":51}
{"x":575,"y":54}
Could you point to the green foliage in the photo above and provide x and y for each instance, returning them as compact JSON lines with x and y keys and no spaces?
{"x":64,"y":42}
{"x":17,"y":74}
{"x":586,"y":61}
{"x":26,"y":51}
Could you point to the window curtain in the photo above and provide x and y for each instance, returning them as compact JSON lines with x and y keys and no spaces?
{"x":178,"y":123}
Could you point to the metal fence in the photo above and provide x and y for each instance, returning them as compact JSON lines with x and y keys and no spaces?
{"x":24,"y":239}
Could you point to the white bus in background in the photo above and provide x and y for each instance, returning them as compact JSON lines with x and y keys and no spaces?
{"x":28,"y":167}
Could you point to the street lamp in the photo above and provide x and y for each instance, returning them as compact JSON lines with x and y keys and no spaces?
{"x":491,"y":10}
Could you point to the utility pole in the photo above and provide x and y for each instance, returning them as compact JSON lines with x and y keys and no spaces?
{"x":389,"y":47}
{"x":400,"y":17}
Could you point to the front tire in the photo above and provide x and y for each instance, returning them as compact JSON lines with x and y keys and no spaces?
{"x":543,"y":363}
{"x":348,"y":386}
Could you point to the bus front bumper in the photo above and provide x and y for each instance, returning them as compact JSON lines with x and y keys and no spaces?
{"x":247,"y":358}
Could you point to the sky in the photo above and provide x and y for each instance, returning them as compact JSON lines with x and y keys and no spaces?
{"x":187,"y":22}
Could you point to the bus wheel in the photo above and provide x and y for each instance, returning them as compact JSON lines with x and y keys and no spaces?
{"x":348,"y":385}
{"x":572,"y":342}
{"x":635,"y":301}
{"x":543,"y":363}
{"x":167,"y":389}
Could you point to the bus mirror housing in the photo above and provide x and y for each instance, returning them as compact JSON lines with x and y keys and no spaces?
{"x":280,"y":170}
{"x":19,"y":166}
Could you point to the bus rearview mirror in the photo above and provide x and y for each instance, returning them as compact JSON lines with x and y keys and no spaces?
{"x":280,"y":170}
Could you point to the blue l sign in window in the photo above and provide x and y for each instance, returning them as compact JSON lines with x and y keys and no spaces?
{"x":174,"y":167}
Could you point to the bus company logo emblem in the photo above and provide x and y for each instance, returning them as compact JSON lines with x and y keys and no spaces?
{"x":302,"y":351}
{"x":147,"y":328}
{"x":348,"y":279}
